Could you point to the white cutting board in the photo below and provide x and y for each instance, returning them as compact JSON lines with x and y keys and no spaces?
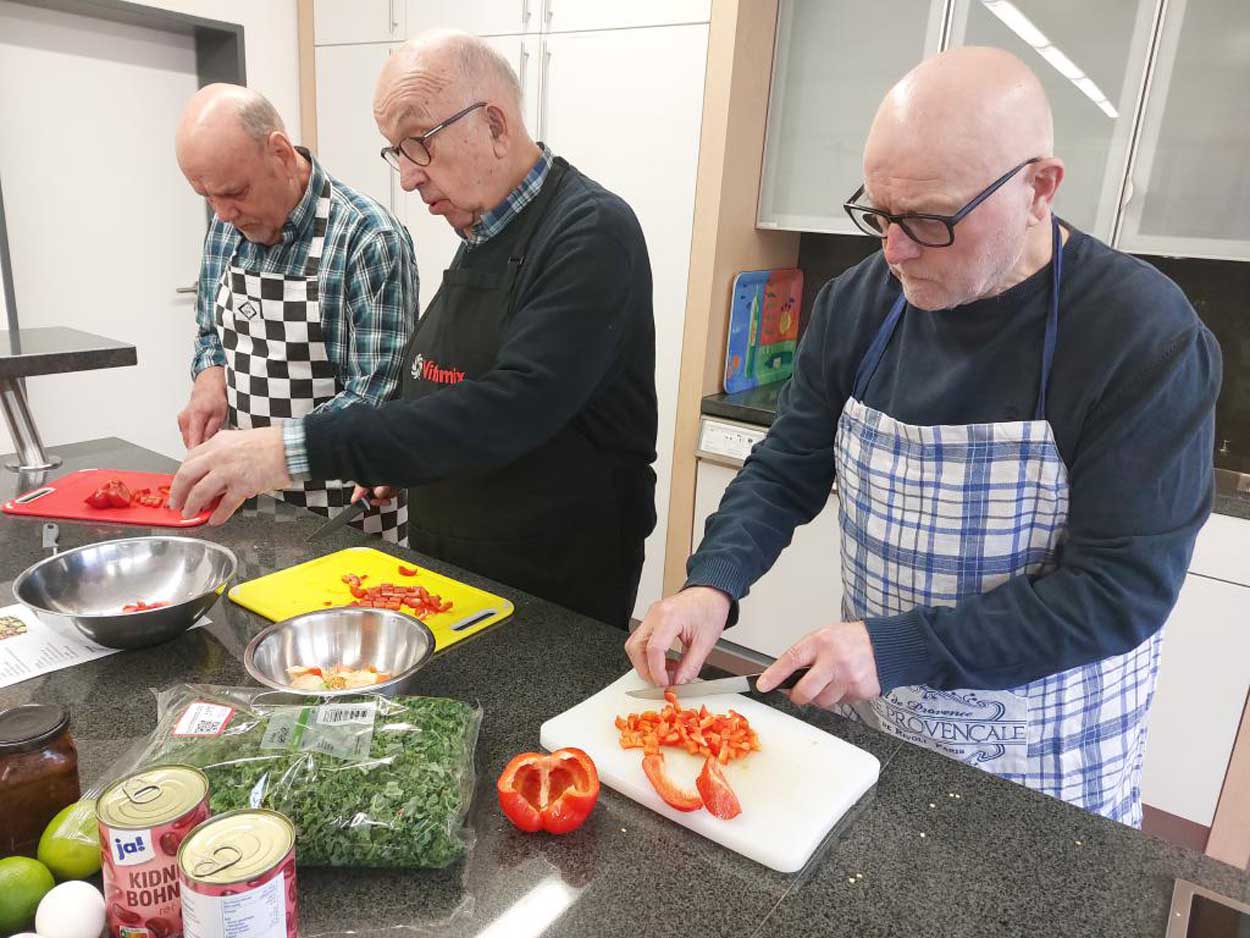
{"x":793,"y":791}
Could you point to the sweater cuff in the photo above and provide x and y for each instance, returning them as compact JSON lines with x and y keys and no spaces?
{"x":721,"y":575}
{"x":900,"y":647}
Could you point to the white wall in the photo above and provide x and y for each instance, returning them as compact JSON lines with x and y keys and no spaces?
{"x":102,"y":226}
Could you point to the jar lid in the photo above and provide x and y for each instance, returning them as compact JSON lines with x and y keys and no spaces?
{"x":30,"y":726}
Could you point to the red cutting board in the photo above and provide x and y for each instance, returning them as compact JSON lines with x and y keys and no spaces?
{"x":65,"y":498}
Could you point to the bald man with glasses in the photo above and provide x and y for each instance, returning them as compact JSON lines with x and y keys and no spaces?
{"x":1019,"y":420}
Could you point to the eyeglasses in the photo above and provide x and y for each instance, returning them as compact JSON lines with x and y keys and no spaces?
{"x":417,"y":149}
{"x":934,"y":231}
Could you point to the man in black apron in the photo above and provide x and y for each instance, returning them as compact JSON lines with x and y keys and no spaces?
{"x":307,"y":292}
{"x":528,"y":425}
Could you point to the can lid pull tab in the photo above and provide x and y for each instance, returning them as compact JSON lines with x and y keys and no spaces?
{"x":217,"y":863}
{"x":144,"y":795}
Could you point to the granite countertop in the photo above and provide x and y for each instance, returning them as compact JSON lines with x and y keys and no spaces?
{"x":54,"y":350}
{"x":758,"y":406}
{"x":935,"y":849}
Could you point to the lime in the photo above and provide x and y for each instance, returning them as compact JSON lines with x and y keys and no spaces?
{"x":23,"y":882}
{"x":70,"y":845}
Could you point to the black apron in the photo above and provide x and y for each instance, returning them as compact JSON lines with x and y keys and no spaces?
{"x":565,"y":522}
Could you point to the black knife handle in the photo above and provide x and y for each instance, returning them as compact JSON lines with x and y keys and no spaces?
{"x":793,"y":679}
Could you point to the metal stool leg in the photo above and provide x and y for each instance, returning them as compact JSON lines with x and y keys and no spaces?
{"x":22,"y":429}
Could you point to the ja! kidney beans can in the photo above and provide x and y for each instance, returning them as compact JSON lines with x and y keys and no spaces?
{"x":143,"y":819}
{"x":238,"y":877}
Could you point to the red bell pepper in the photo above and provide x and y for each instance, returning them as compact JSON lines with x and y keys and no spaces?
{"x":675,"y":797}
{"x":553,"y":792}
{"x":718,"y":797}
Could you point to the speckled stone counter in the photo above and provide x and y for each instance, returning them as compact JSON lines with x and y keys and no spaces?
{"x":935,"y":849}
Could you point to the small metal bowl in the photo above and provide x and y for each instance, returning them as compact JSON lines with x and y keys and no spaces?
{"x":350,"y":637}
{"x":86,"y":587}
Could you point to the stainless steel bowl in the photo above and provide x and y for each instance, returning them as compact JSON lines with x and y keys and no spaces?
{"x":86,"y":587}
{"x":349,"y":637}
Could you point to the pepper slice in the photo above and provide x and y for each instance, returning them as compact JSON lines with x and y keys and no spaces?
{"x":552,"y":792}
{"x":679,"y":798}
{"x":718,"y":797}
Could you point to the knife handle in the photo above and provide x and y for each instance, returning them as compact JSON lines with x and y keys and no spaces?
{"x":793,"y":679}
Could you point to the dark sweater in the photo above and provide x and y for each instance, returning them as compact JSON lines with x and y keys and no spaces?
{"x":1131,"y":402}
{"x":579,"y":348}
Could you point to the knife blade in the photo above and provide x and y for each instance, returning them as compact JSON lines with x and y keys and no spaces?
{"x":342,"y":519}
{"x":741,"y":684}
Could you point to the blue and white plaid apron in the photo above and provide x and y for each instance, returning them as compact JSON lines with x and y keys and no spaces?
{"x":932,"y":515}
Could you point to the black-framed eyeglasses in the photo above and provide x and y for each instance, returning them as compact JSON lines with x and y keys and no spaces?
{"x":934,"y":231}
{"x":417,"y":149}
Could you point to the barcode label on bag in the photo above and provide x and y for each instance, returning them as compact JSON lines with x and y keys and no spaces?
{"x":203,"y":719}
{"x":335,"y":714}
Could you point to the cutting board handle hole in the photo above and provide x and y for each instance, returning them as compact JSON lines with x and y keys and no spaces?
{"x":473,"y":620}
{"x":32,"y":496}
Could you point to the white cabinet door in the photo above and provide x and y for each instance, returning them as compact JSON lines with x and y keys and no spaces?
{"x":341,"y":21}
{"x":1091,"y":58}
{"x":483,"y":17}
{"x":833,"y":63}
{"x":1189,"y":184}
{"x":348,"y":140}
{"x":1203,"y":678}
{"x":803,"y":590}
{"x":635,"y":130}
{"x":574,"y":15}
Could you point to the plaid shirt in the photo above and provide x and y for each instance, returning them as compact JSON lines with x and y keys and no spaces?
{"x":489,"y":225}
{"x":367,"y":280}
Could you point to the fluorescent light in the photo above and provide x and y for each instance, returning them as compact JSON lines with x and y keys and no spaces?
{"x":1017,"y":22}
{"x":1023,"y":27}
{"x":534,"y":912}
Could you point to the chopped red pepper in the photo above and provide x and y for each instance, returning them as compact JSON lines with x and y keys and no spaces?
{"x":553,"y":792}
{"x":408,"y":571}
{"x":112,"y":494}
{"x":679,"y":798}
{"x":140,"y":606}
{"x":718,"y":797}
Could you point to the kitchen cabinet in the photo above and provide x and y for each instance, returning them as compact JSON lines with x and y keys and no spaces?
{"x":348,"y":141}
{"x":580,"y":15}
{"x":803,"y":590}
{"x":1188,"y":190}
{"x":1204,"y":675}
{"x":636,"y":131}
{"x":833,"y":63}
{"x":1090,"y":58}
{"x":482,"y":17}
{"x":343,"y":21}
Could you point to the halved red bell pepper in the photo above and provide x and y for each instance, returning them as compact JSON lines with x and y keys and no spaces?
{"x":553,"y":792}
{"x":718,"y":797}
{"x":679,"y":798}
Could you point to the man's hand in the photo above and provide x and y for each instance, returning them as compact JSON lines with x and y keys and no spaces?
{"x":842,"y":667}
{"x":206,"y":411}
{"x":378,"y":495}
{"x":234,"y":464}
{"x":696,"y":615}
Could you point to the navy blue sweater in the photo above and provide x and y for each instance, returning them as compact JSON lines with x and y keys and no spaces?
{"x":1131,"y":402}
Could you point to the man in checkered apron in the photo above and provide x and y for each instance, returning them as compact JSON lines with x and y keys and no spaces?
{"x":1019,"y":423}
{"x":307,"y":292}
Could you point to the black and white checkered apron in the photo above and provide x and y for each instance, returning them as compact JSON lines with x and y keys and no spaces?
{"x":277,"y":368}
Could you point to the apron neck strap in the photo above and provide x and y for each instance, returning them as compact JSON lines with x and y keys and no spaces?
{"x":872,"y":358}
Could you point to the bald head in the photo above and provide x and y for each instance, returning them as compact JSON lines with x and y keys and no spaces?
{"x":947,"y":130}
{"x":233,"y":148}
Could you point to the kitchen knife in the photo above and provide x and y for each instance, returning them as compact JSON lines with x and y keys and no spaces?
{"x":742,"y":684}
{"x":342,"y":519}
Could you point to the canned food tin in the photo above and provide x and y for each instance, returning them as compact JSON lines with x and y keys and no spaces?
{"x":238,"y":877}
{"x":143,"y":819}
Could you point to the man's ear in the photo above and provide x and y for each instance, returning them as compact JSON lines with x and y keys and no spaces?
{"x":280,"y":147}
{"x":500,"y":132}
{"x":1047,"y":176}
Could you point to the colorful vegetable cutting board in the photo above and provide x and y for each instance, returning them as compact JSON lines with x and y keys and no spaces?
{"x":318,"y":584}
{"x":763,"y":328}
{"x":793,"y":791}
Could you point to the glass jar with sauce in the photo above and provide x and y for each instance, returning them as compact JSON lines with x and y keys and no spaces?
{"x":38,"y":773}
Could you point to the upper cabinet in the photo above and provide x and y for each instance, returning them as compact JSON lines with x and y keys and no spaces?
{"x":1148,"y":99}
{"x":834,"y":61}
{"x":336,"y":22}
{"x":1090,"y":57}
{"x":483,"y":17}
{"x":562,"y":16}
{"x":1188,"y":189}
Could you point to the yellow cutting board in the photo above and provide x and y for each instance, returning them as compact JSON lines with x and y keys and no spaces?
{"x":318,"y":584}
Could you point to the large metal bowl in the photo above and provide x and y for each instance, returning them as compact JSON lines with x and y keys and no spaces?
{"x":345,"y":636}
{"x":86,"y":587}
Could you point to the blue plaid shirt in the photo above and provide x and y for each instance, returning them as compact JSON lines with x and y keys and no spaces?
{"x":489,"y":225}
{"x":367,"y":280}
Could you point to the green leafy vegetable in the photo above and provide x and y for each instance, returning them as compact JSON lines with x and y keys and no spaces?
{"x":388,"y":790}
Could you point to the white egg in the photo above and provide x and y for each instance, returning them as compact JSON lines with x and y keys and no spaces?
{"x":71,"y":910}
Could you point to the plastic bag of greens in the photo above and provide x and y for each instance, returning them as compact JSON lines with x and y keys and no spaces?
{"x":367,"y":781}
